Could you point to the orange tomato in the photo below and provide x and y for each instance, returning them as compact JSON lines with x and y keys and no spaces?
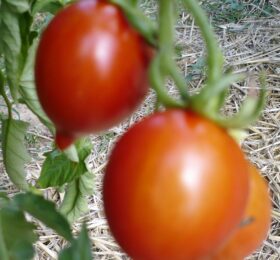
{"x":250,"y":235}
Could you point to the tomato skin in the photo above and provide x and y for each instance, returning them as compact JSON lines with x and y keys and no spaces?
{"x":176,"y":186}
{"x":91,"y":68}
{"x":249,"y":237}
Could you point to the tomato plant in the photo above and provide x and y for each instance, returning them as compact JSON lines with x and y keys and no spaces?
{"x":91,"y":69}
{"x":171,"y":180}
{"x":258,"y":215}
{"x":176,"y":185}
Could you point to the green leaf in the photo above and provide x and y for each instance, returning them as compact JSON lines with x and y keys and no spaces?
{"x":84,"y":147}
{"x":44,"y":211}
{"x":18,"y":6}
{"x":27,"y":88}
{"x":51,"y":6}
{"x":16,"y":235}
{"x":80,"y":248}
{"x":4,"y":200}
{"x":58,"y":169}
{"x":75,"y":203}
{"x":15,"y":24}
{"x":14,"y":151}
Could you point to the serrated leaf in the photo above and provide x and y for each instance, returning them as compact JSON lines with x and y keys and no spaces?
{"x":84,"y":147}
{"x":14,"y":151}
{"x":27,"y":88}
{"x":44,"y":211}
{"x":58,"y":169}
{"x":51,"y":6}
{"x":15,"y":24}
{"x":16,"y":235}
{"x":75,"y":203}
{"x":80,"y":248}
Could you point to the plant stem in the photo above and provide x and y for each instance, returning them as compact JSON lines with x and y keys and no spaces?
{"x":166,"y":22}
{"x":4,"y":95}
{"x":179,"y":80}
{"x":166,"y":45}
{"x":215,"y":57}
{"x":8,"y":103}
{"x":140,"y":21}
{"x":157,"y":82}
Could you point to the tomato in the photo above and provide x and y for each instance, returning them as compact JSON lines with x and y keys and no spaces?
{"x":175,"y":187}
{"x":258,"y":215}
{"x":91,"y":69}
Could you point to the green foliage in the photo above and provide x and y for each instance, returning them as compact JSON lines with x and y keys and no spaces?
{"x":197,"y":69}
{"x":44,"y":211}
{"x":75,"y":202}
{"x":27,"y":88}
{"x":15,"y":23}
{"x":80,"y":248}
{"x":16,"y":235}
{"x":14,"y":151}
{"x":58,"y":169}
{"x":50,"y":6}
{"x":232,"y":11}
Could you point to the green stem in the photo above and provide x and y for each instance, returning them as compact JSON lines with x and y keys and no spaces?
{"x":140,"y":21}
{"x":215,"y":57}
{"x":8,"y":103}
{"x":4,"y":95}
{"x":166,"y":22}
{"x":157,"y":82}
{"x":166,"y":46}
{"x":179,"y":80}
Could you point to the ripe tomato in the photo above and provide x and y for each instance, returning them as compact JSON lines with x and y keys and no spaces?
{"x":258,"y":214}
{"x":176,"y":186}
{"x":91,"y":69}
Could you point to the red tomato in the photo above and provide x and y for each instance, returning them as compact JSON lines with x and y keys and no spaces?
{"x":176,"y":186}
{"x":258,"y":214}
{"x":91,"y":69}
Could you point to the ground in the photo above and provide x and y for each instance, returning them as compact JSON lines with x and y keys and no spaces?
{"x":249,"y":34}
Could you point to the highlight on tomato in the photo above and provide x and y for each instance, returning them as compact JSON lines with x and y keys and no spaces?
{"x":256,"y":221}
{"x":91,"y":69}
{"x":176,"y":187}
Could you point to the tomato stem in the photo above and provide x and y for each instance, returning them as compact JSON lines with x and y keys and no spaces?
{"x":157,"y":82}
{"x":211,"y":98}
{"x":215,"y":57}
{"x":4,"y":95}
{"x":165,"y":59}
{"x":139,"y":20}
{"x":166,"y":22}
